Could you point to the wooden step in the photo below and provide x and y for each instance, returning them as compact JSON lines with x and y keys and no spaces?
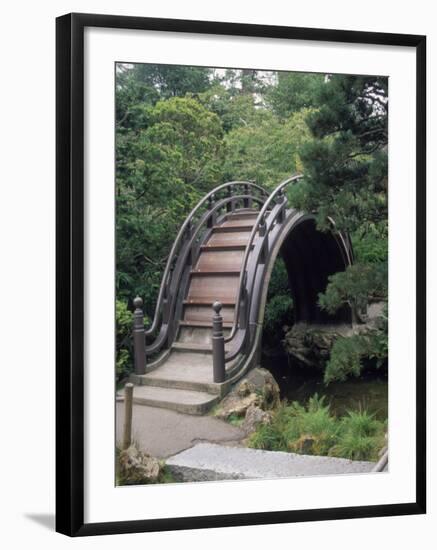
{"x":213,"y":288}
{"x":231,"y":226}
{"x":214,"y":273}
{"x":245,"y":221}
{"x":227,"y":259}
{"x":222,"y":247}
{"x":229,"y":238}
{"x":203,"y":312}
{"x":243,"y":215}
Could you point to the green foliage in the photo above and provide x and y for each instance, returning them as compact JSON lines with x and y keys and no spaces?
{"x":361,"y":437}
{"x":123,"y":342}
{"x":355,"y":286}
{"x":346,"y":162}
{"x":266,"y":150}
{"x":123,"y":320}
{"x":345,"y":166}
{"x":162,"y":171}
{"x":235,"y":419}
{"x":171,"y":80}
{"x":279,"y":306}
{"x":294,"y":92}
{"x":314,"y":430}
{"x":371,"y":246}
{"x":348,"y":355}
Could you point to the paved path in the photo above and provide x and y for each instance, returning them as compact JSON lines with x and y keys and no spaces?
{"x":206,"y":462}
{"x":163,"y":433}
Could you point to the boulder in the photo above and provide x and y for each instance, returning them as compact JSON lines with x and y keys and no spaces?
{"x":254,"y":418}
{"x":137,"y":467}
{"x":311,"y":344}
{"x":257,"y":389}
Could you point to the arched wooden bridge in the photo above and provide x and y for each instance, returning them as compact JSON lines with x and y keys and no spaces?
{"x":207,"y":328}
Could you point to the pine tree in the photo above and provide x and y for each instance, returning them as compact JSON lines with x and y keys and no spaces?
{"x":346,"y":179}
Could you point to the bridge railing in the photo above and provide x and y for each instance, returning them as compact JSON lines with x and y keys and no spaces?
{"x":202,"y":216}
{"x":276,"y":203}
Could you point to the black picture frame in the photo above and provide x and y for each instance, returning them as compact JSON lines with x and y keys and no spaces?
{"x":70,"y":273}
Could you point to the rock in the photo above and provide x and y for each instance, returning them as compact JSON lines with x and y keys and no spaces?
{"x":257,"y":389}
{"x":311,"y":344}
{"x":254,"y":418}
{"x":236,"y":405}
{"x":136,"y":466}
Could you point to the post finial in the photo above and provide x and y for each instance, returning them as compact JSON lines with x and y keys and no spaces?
{"x":217,"y":306}
{"x":138,"y":302}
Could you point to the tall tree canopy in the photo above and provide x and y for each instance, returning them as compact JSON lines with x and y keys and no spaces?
{"x":345,"y":166}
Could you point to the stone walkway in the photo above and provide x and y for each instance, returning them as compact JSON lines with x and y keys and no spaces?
{"x":162,"y":433}
{"x":206,"y":462}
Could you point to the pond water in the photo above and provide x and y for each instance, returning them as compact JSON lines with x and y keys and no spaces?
{"x":369,"y":392}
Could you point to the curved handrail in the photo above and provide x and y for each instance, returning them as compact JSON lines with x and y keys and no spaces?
{"x":152,"y":348}
{"x":259,"y":221}
{"x":178,"y":240}
{"x":346,"y":245}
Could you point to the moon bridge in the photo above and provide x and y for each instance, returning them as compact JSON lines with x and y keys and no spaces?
{"x":207,"y":328}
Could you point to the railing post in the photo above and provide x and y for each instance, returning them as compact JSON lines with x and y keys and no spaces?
{"x":247,"y":203}
{"x":218,"y":345}
{"x":127,"y":427}
{"x":212,"y":218}
{"x":281,"y":201}
{"x":189,"y":232}
{"x":230,"y":204}
{"x":139,"y":338}
{"x":262,"y":231}
{"x":242,"y":322}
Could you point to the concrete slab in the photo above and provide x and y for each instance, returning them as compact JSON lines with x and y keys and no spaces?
{"x":163,"y":433}
{"x":209,"y":462}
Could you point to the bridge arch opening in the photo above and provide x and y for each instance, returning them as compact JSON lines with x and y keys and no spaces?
{"x":310,"y":257}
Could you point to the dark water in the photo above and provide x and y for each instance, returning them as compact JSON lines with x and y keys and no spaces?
{"x":369,"y":392}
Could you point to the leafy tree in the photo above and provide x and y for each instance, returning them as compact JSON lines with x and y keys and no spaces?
{"x":267,"y":150}
{"x":294,"y":92}
{"x":173,"y":80}
{"x":162,"y":171}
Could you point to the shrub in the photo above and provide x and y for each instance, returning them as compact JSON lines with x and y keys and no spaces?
{"x":360,"y":437}
{"x":279,"y":306}
{"x":314,"y":430}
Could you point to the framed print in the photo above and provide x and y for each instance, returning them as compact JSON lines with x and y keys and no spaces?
{"x":240,"y":274}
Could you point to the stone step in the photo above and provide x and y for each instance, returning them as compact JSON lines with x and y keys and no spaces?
{"x":184,"y":401}
{"x":192,"y":347}
{"x":211,"y":462}
{"x":201,"y":324}
{"x":185,"y":370}
{"x":201,"y":335}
